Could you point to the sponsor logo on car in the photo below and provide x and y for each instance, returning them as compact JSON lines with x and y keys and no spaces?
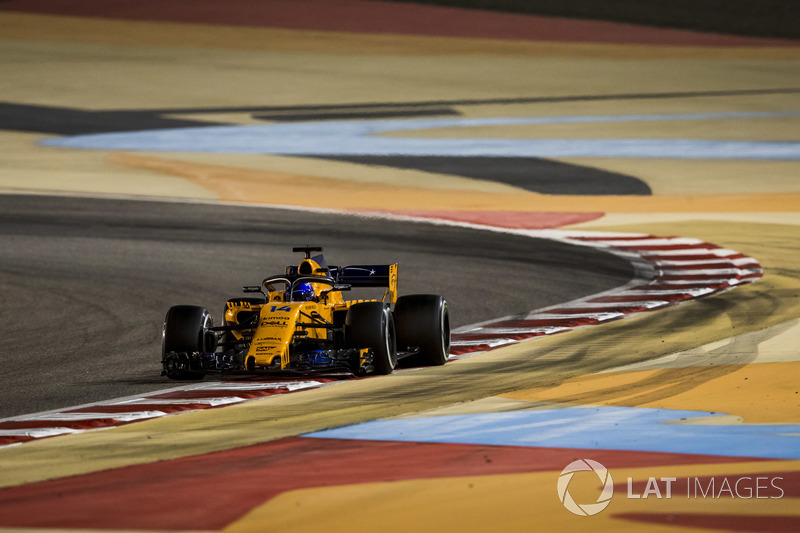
{"x":268,"y":322}
{"x":264,"y":349}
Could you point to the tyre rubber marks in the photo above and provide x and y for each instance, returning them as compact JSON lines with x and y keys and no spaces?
{"x":668,"y":270}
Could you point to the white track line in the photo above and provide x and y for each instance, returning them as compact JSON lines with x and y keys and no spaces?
{"x":662,"y":270}
{"x":651,"y":257}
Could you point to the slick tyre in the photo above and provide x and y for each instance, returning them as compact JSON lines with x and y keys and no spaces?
{"x":423,"y":323}
{"x":184,"y":331}
{"x":370,"y":325}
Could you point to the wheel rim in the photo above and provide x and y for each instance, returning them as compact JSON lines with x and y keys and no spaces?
{"x":445,"y":325}
{"x":390,"y":340}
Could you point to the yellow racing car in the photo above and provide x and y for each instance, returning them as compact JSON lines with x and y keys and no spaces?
{"x":301,"y":323}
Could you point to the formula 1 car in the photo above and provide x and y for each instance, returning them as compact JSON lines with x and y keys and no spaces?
{"x":301,"y":323}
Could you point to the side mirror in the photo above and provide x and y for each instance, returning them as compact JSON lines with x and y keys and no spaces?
{"x":256,"y":288}
{"x":335,"y":288}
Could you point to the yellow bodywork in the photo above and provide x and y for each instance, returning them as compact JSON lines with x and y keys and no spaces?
{"x":277,"y":327}
{"x":281,"y":322}
{"x":392,"y":290}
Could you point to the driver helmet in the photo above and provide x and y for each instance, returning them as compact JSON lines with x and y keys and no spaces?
{"x":303,"y":292}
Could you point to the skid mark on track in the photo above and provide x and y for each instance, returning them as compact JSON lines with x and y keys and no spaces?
{"x":668,"y":270}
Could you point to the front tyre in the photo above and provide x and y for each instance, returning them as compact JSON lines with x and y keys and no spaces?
{"x":185,"y":331}
{"x":423,"y":324}
{"x":370,"y":325}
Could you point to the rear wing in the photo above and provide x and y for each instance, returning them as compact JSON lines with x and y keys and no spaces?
{"x":368,"y":276}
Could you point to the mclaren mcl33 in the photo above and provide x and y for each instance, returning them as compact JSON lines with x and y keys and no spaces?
{"x":300,"y":322}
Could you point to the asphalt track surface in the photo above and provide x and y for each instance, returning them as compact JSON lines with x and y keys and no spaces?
{"x":87,"y":281}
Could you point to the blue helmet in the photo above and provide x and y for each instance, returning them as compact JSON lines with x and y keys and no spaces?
{"x":303,"y":292}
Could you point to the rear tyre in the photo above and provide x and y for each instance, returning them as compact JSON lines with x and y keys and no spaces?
{"x":423,"y":323}
{"x":370,"y":325}
{"x":185,"y":331}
